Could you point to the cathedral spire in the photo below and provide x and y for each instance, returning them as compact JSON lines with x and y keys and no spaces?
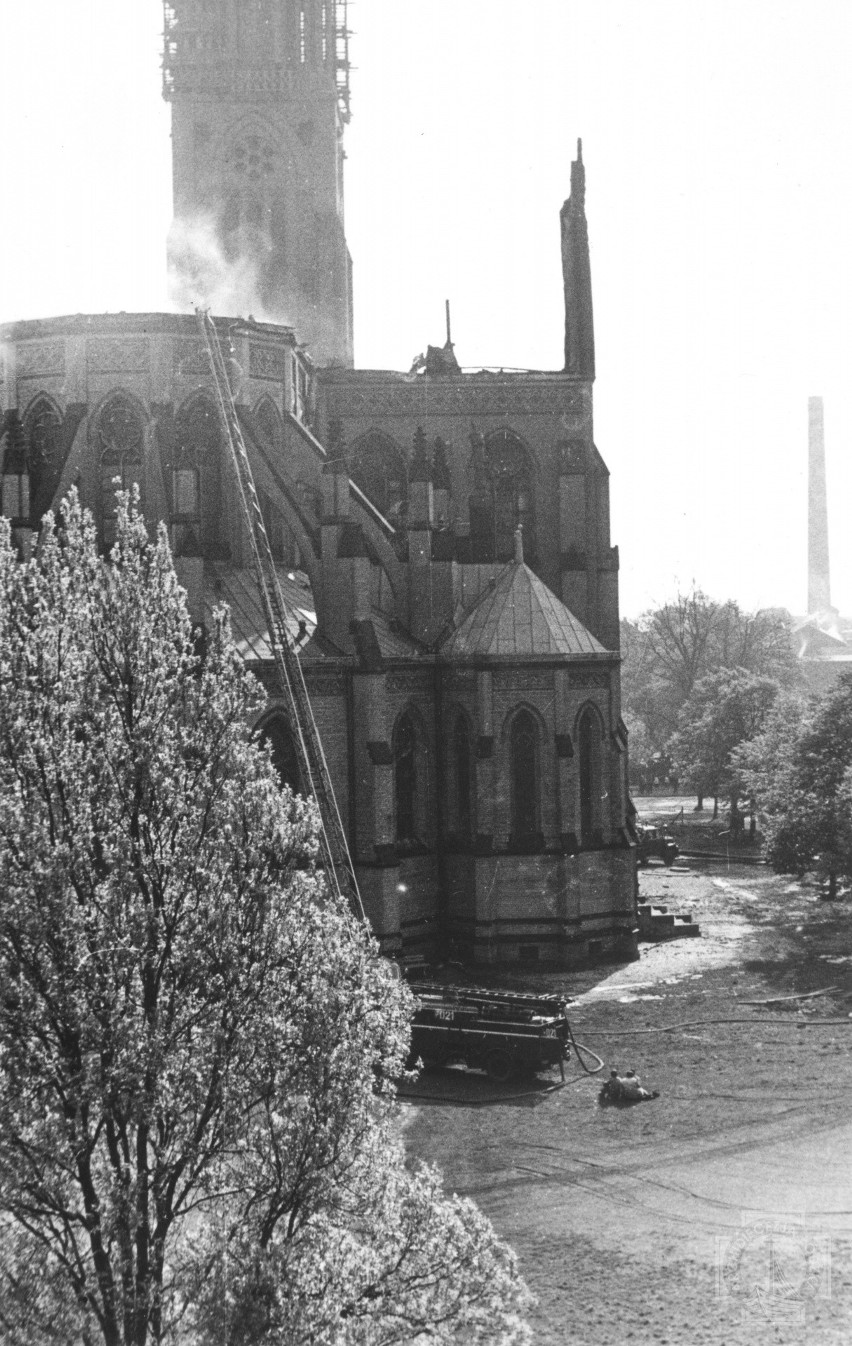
{"x":577,"y":276}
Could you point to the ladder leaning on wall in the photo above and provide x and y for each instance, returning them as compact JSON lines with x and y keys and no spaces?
{"x":336,"y":858}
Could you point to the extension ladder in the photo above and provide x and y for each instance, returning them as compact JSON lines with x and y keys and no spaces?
{"x":336,"y":858}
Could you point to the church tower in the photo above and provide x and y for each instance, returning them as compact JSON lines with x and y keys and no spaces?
{"x":260,"y":97}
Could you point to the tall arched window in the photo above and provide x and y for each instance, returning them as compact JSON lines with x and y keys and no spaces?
{"x":43,"y":435}
{"x":252,"y":162}
{"x":461,"y":780}
{"x":408,"y":789}
{"x":524,"y":780}
{"x":277,"y":733}
{"x":268,"y":421}
{"x":378,"y":467}
{"x":197,"y":505}
{"x":119,"y":444}
{"x":589,"y":742}
{"x":511,"y":492}
{"x":505,"y":499}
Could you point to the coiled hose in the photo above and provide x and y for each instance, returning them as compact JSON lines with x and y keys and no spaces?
{"x":579,"y":1047}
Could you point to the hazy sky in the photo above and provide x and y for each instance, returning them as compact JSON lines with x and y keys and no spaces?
{"x":719,"y":192}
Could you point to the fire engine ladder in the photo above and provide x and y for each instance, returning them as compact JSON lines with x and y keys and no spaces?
{"x":336,"y":858}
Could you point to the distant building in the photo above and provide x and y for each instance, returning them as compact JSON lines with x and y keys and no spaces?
{"x":442,"y":534}
{"x":824,"y":638}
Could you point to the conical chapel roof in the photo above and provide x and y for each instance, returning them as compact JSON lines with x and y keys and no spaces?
{"x":519,"y":615}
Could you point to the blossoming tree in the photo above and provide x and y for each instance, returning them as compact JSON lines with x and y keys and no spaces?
{"x":197,"y":1044}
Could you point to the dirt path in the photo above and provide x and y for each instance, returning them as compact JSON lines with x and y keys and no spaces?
{"x":721,"y":1212}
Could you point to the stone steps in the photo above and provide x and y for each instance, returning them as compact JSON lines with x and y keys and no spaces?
{"x":657,"y":923}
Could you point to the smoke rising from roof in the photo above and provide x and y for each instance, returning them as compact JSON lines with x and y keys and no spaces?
{"x":202,"y":272}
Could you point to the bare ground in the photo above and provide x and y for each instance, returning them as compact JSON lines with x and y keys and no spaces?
{"x":720,"y":1213}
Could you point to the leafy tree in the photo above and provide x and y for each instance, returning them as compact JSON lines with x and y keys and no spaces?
{"x":761,"y":642}
{"x":197,"y":1132}
{"x":641,"y":755}
{"x":724,"y":710}
{"x":670,"y":649}
{"x":800,"y":767}
{"x":764,"y":763}
{"x":679,"y":638}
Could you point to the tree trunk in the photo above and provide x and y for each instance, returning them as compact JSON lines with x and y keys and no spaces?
{"x":700,"y":805}
{"x":736,"y":819}
{"x":715,"y":807}
{"x":832,"y":887}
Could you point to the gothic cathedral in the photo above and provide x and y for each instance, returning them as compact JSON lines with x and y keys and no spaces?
{"x":442,"y":535}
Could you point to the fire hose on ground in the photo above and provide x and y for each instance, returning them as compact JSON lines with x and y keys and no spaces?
{"x":580,"y":1047}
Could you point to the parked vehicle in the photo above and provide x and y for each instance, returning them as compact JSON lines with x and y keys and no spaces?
{"x":655,"y":841}
{"x":501,"y":1032}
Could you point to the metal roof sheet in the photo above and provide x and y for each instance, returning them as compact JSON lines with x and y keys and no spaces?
{"x":519,"y":615}
{"x":238,"y":589}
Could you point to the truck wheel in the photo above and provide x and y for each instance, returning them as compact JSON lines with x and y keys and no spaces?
{"x":499,"y":1065}
{"x":530,"y":1070}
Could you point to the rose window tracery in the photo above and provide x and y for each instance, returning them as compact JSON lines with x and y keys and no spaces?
{"x":121,"y":433}
{"x":253,"y":158}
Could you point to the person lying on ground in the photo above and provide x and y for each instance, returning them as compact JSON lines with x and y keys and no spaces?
{"x":626,"y":1088}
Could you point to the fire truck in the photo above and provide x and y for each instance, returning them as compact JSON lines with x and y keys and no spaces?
{"x":655,"y":841}
{"x":504,"y":1033}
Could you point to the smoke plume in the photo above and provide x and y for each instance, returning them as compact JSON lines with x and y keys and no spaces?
{"x":201,"y":272}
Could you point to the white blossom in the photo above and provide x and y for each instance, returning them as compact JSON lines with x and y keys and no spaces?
{"x":197,"y":1044}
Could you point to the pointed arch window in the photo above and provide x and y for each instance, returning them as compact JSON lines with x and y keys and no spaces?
{"x":378,"y":467}
{"x":251,"y":161}
{"x":589,"y":745}
{"x":120,"y":445}
{"x":197,"y":505}
{"x":510,"y":496}
{"x":461,"y":780}
{"x":244,"y":217}
{"x":276,"y":732}
{"x":524,"y":782}
{"x":43,"y":436}
{"x":413,"y":799}
{"x":268,"y":421}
